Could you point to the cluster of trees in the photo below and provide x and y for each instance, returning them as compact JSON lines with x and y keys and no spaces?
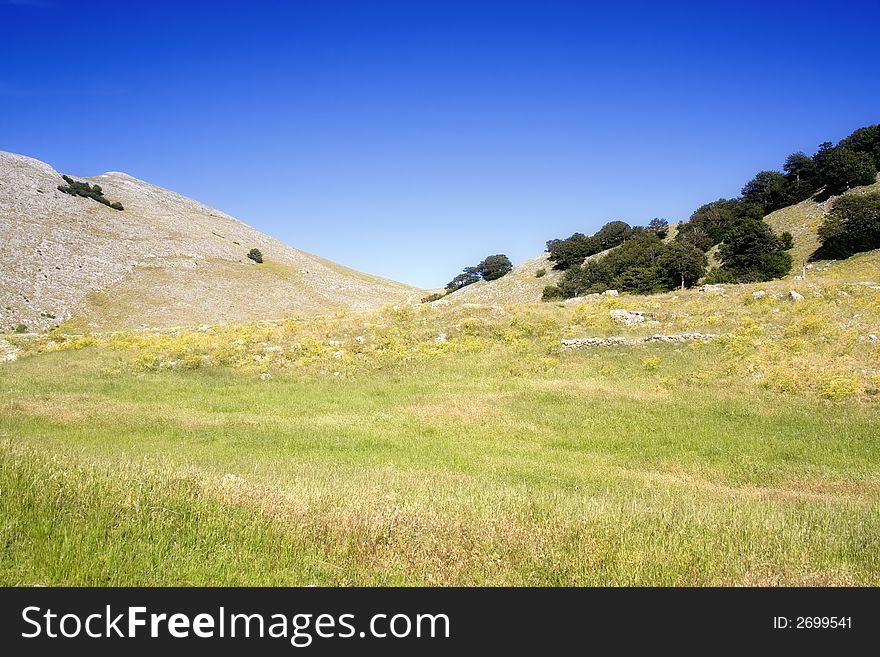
{"x":571,"y":251}
{"x":748,"y":248}
{"x":642,"y":263}
{"x":852,"y":226}
{"x":491,"y":268}
{"x":77,"y":188}
{"x":832,"y":170}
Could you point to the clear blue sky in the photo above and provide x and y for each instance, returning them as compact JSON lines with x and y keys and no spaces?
{"x":410,"y":139}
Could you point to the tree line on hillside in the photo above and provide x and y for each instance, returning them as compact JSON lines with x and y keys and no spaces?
{"x":639,"y":259}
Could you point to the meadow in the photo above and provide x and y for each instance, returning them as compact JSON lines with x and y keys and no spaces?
{"x":453,"y":446}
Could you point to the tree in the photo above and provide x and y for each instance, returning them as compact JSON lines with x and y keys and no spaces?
{"x":800,"y":169}
{"x":255,"y":255}
{"x":659,"y":227}
{"x":768,"y":189}
{"x":852,"y":226}
{"x":841,"y":169}
{"x":494,"y":267}
{"x":572,"y":251}
{"x":467,"y":277}
{"x":612,"y":234}
{"x":714,"y":219}
{"x":693,"y":234}
{"x":864,"y":140}
{"x":642,"y":280}
{"x":592,"y":276}
{"x":683,"y":263}
{"x":752,"y":252}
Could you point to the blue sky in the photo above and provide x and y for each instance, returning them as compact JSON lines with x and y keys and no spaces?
{"x":410,"y":139}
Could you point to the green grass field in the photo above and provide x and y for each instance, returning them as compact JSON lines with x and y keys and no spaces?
{"x":617,"y":466}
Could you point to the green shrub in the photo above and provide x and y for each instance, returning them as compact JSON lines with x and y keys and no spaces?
{"x":436,"y":296}
{"x":84,"y":189}
{"x":19,"y":328}
{"x":255,"y":255}
{"x":540,"y":273}
{"x":552,"y":293}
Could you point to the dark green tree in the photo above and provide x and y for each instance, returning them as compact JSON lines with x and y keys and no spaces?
{"x":642,"y":280}
{"x":255,"y":255}
{"x":683,"y":263}
{"x":841,"y":169}
{"x":852,"y":226}
{"x":768,"y":189}
{"x":800,"y":169}
{"x":714,"y":220}
{"x":612,"y":234}
{"x":592,"y":276}
{"x":572,"y":250}
{"x":865,"y":140}
{"x":659,"y":227}
{"x":494,"y":267}
{"x":467,"y":277}
{"x":752,"y":252}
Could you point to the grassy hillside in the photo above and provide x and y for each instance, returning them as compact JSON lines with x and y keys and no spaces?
{"x":165,"y":260}
{"x":520,"y":285}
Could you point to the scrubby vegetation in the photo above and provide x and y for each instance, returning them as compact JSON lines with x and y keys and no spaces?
{"x":491,"y":268}
{"x":434,"y":296}
{"x":255,"y":255}
{"x":79,"y":188}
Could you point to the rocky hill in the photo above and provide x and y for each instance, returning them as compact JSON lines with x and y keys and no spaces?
{"x":165,"y":260}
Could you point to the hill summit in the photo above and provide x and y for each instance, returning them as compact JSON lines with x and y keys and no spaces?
{"x":165,"y":260}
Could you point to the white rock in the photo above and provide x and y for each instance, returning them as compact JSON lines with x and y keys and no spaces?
{"x":795,"y":296}
{"x":610,"y":293}
{"x":759,"y":294}
{"x":628,"y":317}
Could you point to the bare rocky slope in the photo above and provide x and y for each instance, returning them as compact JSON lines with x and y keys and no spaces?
{"x":165,"y":260}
